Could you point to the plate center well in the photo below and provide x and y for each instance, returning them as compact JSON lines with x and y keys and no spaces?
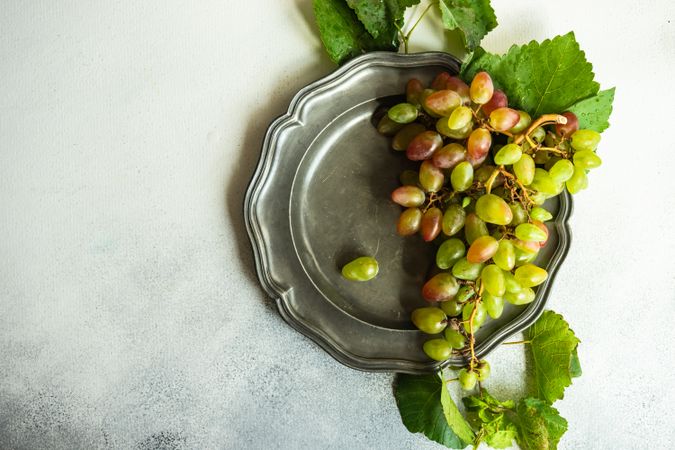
{"x":341,"y":209}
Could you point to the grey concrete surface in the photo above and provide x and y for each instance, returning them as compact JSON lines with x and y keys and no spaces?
{"x":130,"y":316}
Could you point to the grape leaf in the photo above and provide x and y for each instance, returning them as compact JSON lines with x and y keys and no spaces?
{"x":546,"y":77}
{"x":478,"y":61}
{"x":381,"y":17}
{"x":593,"y":113}
{"x":552,"y":345}
{"x":419,"y":402}
{"x":474,"y":18}
{"x":540,"y":425}
{"x":453,"y":417}
{"x":495,"y":428}
{"x":575,"y":364}
{"x":342,"y":34}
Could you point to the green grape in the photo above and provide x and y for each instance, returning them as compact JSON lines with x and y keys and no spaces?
{"x":453,"y":220}
{"x":474,"y":227}
{"x":527,"y":257}
{"x":524,"y":169}
{"x":467,"y":380}
{"x":530,"y":275}
{"x":460,"y":118}
{"x":493,"y":305}
{"x":431,"y":177}
{"x":442,"y":103}
{"x":437,"y":349}
{"x":481,"y":88}
{"x":519,"y":214}
{"x":525,"y":247}
{"x":409,"y":222}
{"x":493,"y":209}
{"x":430,"y":227}
{"x":539,"y":198}
{"x":449,"y":156}
{"x":361,"y":269}
{"x":530,"y":232}
{"x":461,"y":177}
{"x":405,"y":136}
{"x":464,"y":270}
{"x":541,"y":157}
{"x":482,"y":173}
{"x":543,"y":182}
{"x":544,"y":229}
{"x":510,"y":283}
{"x":482,"y":249}
{"x":551,"y":162}
{"x":538,"y":135}
{"x":440,"y":287}
{"x":443,"y":128}
{"x":449,"y":253}
{"x":478,"y":319}
{"x":523,"y":122}
{"x":451,"y":307}
{"x":561,"y":171}
{"x":413,"y":91}
{"x":408,"y":196}
{"x":508,"y":154}
{"x":424,"y":145}
{"x":578,"y":182}
{"x":403,"y":113}
{"x":464,"y":294}
{"x":493,"y":280}
{"x":483,"y":370}
{"x":503,"y":119}
{"x":388,"y":127}
{"x":585,"y":140}
{"x":455,"y":338}
{"x":522,"y":297}
{"x":539,"y":213}
{"x":409,"y":178}
{"x":430,"y":319}
{"x":505,"y":257}
{"x":466,"y":201}
{"x":586,"y":159}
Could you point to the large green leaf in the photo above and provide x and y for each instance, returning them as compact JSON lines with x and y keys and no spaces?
{"x":540,"y":425}
{"x":546,"y":77}
{"x":419,"y":402}
{"x":381,"y":18}
{"x":453,"y":417}
{"x":552,"y":345}
{"x":474,"y":18}
{"x":343,"y":35}
{"x":593,"y":113}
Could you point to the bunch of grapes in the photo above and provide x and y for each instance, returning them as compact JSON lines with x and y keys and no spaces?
{"x":485,"y":172}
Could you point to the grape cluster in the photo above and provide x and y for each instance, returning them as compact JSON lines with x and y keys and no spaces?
{"x":485,"y":171}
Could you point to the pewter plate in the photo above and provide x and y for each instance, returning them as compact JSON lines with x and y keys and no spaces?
{"x":320,"y":197}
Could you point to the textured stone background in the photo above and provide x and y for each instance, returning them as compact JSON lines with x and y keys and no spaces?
{"x":130,"y":316}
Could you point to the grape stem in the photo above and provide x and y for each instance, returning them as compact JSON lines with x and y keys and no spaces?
{"x":516,"y":342}
{"x":543,"y":120}
{"x":553,"y":150}
{"x":491,"y":180}
{"x":406,"y":37}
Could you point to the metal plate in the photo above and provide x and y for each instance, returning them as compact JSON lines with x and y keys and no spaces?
{"x":320,"y":197}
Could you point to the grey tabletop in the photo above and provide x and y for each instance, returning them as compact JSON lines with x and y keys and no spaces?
{"x":130,"y":314}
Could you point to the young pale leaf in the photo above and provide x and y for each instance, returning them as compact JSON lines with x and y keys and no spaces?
{"x":419,"y":402}
{"x":575,"y":364}
{"x":540,"y":425}
{"x":593,"y":113}
{"x":552,"y":345}
{"x":495,"y":428}
{"x":453,"y":417}
{"x":474,"y":18}
{"x":540,"y":78}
